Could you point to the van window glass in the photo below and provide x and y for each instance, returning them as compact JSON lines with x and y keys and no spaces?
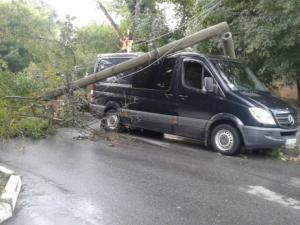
{"x":238,"y":76}
{"x":155,"y":77}
{"x":121,"y":78}
{"x":108,"y":62}
{"x":164,"y":77}
{"x":145,"y":78}
{"x":193,"y":75}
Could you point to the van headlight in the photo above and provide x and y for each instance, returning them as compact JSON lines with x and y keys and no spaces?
{"x":262,"y":115}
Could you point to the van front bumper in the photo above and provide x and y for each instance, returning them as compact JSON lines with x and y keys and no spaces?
{"x":268,"y":138}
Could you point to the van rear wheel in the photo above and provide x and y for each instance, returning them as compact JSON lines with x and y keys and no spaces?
{"x":226,"y":139}
{"x":111,"y":121}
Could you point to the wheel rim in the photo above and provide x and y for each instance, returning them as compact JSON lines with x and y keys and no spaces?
{"x":224,"y":140}
{"x":112,"y":121}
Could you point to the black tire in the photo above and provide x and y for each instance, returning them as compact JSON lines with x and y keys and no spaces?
{"x":111,"y":121}
{"x":226,"y":139}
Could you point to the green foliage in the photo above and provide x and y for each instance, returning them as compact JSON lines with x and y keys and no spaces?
{"x":27,"y":27}
{"x":266,"y":35}
{"x":12,"y":84}
{"x":94,"y":39}
{"x":143,"y":19}
{"x":16,"y":58}
{"x":31,"y":127}
{"x":34,"y":48}
{"x":16,"y":118}
{"x":185,"y":9}
{"x":14,"y":125}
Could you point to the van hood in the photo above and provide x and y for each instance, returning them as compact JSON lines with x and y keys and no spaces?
{"x":266,"y":100}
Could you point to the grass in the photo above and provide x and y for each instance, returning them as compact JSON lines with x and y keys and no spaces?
{"x":286,"y":154}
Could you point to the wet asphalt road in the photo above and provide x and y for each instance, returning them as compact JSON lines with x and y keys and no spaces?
{"x":141,"y":181}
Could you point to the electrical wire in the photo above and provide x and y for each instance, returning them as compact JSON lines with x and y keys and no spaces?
{"x":203,"y":15}
{"x":159,"y":58}
{"x":208,"y":10}
{"x":209,"y":7}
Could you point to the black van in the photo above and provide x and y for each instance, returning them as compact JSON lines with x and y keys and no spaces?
{"x":210,"y":98}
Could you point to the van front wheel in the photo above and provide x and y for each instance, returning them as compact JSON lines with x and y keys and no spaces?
{"x":226,"y":139}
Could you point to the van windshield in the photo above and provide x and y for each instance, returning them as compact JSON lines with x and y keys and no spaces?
{"x":238,"y":76}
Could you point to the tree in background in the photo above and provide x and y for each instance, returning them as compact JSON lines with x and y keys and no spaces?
{"x":143,"y":20}
{"x":93,"y":39}
{"x":266,"y":35}
{"x":26,"y":28}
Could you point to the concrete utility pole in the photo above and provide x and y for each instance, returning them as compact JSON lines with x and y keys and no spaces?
{"x":125,"y":42}
{"x":172,"y":47}
{"x":111,"y":20}
{"x":228,"y":45}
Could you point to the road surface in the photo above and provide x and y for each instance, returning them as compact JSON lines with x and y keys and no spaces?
{"x":138,"y":180}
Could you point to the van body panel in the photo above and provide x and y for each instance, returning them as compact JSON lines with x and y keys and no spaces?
{"x":266,"y":100}
{"x":266,"y":138}
{"x":150,"y":121}
{"x":153,"y":109}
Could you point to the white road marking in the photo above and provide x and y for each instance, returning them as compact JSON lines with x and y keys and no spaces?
{"x":271,"y":196}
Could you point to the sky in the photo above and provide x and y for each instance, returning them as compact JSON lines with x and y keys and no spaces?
{"x":86,"y":11}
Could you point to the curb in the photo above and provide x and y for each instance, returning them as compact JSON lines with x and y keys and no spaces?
{"x":10,"y":194}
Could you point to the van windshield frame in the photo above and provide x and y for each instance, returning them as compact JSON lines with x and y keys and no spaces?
{"x":238,"y":76}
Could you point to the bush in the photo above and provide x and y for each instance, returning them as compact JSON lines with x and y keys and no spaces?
{"x":16,"y":117}
{"x":13,"y":125}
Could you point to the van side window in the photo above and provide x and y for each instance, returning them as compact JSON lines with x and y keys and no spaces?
{"x":156,"y":77}
{"x":193,"y":75}
{"x":164,"y":77}
{"x":144,"y":78}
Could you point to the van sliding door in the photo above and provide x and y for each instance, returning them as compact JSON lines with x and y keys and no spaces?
{"x":154,"y":104}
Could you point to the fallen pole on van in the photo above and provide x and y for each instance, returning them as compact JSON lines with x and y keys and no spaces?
{"x":228,"y":45}
{"x":172,"y":47}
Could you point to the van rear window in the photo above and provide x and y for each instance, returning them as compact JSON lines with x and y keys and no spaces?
{"x":108,"y":62}
{"x":121,"y":78}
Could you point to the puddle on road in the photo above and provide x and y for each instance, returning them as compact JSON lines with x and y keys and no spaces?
{"x":45,"y":203}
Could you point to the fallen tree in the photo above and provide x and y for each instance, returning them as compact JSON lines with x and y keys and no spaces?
{"x":172,"y":47}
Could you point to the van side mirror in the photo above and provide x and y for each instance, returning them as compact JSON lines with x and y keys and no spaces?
{"x":209,"y":85}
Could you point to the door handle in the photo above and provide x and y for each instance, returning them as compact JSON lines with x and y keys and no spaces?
{"x":183,"y":97}
{"x":169,"y":95}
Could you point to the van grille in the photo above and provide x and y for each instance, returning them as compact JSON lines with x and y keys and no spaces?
{"x":284,"y":120}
